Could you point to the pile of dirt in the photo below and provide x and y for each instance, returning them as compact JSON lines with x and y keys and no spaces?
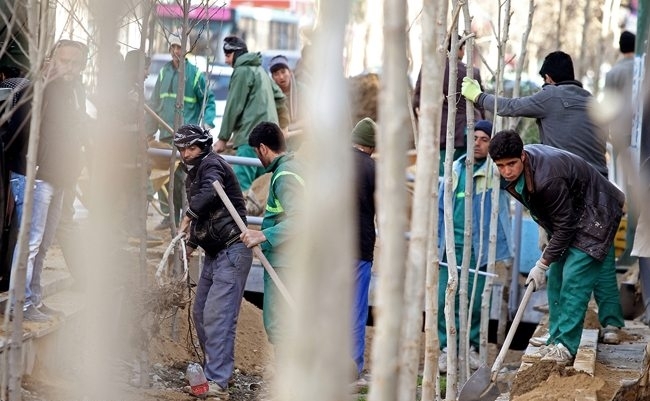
{"x":147,"y":317}
{"x":558,"y":386}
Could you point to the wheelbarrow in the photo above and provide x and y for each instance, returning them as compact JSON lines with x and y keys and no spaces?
{"x":482,"y":385}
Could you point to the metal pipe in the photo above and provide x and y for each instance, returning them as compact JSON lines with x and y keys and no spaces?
{"x":481,"y":273}
{"x":244,"y":161}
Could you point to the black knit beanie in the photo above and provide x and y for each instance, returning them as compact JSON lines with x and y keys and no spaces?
{"x":236,"y":45}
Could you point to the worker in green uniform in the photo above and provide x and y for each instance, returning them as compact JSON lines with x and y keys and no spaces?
{"x":198,"y":108}
{"x":283,"y":207}
{"x":581,"y":210}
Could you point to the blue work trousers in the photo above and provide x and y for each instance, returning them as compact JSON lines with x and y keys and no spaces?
{"x":360,"y":311}
{"x":216,"y":308}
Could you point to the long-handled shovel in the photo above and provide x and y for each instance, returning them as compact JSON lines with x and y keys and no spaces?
{"x":482,"y":385}
{"x":256,"y":249}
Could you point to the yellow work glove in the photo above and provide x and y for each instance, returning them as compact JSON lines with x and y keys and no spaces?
{"x":470,"y":88}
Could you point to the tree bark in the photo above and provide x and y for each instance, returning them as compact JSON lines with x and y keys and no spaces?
{"x":394,"y":116}
{"x":313,"y":359}
{"x":433,"y":58}
{"x":425,"y":179}
{"x":37,"y":30}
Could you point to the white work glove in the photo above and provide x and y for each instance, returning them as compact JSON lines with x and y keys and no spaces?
{"x":537,"y":276}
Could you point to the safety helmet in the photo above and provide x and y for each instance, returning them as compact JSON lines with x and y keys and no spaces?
{"x":190,"y":134}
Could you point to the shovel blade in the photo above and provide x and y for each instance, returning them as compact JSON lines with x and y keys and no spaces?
{"x":479,"y":387}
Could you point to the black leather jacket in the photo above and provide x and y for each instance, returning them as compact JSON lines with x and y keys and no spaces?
{"x":571,"y":200}
{"x":212,"y":225}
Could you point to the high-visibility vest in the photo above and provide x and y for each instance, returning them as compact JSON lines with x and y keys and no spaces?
{"x":274,"y":206}
{"x":186,"y":99}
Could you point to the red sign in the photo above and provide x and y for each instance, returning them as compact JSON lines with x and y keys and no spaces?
{"x":282,"y":4}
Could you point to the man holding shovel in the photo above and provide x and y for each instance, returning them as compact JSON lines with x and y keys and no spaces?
{"x":561,"y":110}
{"x":282,"y":208}
{"x":207,"y":223}
{"x":581,"y":210}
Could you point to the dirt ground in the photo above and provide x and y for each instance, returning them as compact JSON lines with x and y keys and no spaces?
{"x":168,"y":358}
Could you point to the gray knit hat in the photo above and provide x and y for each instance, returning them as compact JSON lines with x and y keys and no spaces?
{"x":364,"y":132}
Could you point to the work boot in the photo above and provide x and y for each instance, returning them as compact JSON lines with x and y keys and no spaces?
{"x":537,"y":355}
{"x":442,"y":361}
{"x":215,"y":392}
{"x":31,"y":314}
{"x":609,"y":335}
{"x":46,"y":310}
{"x":559,"y":354}
{"x":253,"y":206}
{"x":474,"y":358}
{"x":538,"y":341}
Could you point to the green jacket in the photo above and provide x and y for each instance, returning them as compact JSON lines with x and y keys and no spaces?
{"x":163,"y":98}
{"x":253,"y":97}
{"x":283,"y":206}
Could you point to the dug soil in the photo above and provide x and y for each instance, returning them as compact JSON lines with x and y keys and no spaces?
{"x":157,"y":320}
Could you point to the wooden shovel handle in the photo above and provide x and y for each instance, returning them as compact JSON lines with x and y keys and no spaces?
{"x":256,"y":249}
{"x":511,"y":333}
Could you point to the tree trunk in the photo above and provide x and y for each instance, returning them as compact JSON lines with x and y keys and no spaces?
{"x":146,"y":8}
{"x":313,"y":360}
{"x":426,"y":173}
{"x":37,"y":30}
{"x":433,"y":58}
{"x":394,"y":117}
{"x":452,"y":282}
{"x":582,"y":57}
{"x":560,"y":26}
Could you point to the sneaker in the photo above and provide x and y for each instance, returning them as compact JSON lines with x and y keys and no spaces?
{"x":46,"y":310}
{"x":163,"y":225}
{"x":538,"y":341}
{"x":216,"y":392}
{"x":609,"y":335}
{"x":559,"y":354}
{"x":442,"y":361}
{"x":474,"y":358}
{"x":31,"y":314}
{"x":537,"y":355}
